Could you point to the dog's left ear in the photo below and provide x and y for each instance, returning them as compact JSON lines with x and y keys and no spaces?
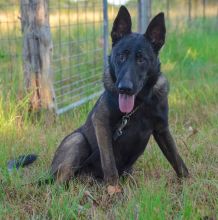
{"x":122,"y":25}
{"x":156,"y":32}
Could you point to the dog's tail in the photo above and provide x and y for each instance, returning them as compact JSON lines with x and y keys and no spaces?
{"x":21,"y":161}
{"x":25,"y":160}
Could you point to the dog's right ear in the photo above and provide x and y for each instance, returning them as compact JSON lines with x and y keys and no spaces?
{"x":122,"y":25}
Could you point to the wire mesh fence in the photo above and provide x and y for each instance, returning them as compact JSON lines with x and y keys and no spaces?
{"x":78,"y":38}
{"x":78,"y":51}
{"x":10,"y":46}
{"x":79,"y":42}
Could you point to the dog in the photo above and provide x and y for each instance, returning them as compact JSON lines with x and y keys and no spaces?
{"x":133,"y":106}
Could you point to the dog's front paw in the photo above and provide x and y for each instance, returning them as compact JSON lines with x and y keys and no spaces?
{"x":184,"y":173}
{"x":111,"y":177}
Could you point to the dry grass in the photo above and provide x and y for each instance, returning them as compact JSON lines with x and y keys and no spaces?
{"x":11,"y":18}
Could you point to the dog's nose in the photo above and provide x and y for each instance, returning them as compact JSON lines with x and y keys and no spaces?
{"x":125,"y":87}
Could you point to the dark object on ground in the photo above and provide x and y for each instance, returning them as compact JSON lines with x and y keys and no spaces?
{"x":21,"y":161}
{"x":133,"y":107}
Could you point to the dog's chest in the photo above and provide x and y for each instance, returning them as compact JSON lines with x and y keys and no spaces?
{"x":133,"y":129}
{"x":133,"y":141}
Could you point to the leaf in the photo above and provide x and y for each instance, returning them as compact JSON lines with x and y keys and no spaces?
{"x":111,"y":190}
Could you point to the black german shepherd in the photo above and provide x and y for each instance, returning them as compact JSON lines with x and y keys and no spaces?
{"x":133,"y":107}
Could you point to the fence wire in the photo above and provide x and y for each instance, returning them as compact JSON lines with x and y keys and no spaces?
{"x":77,"y":28}
{"x":77,"y":34}
{"x":10,"y":47}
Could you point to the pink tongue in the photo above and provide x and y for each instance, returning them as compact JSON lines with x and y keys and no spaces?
{"x":126,"y":103}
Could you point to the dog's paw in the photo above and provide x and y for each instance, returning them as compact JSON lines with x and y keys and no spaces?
{"x":183,"y":172}
{"x":111,"y":190}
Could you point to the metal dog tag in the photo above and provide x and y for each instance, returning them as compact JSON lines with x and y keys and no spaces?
{"x":119,"y":131}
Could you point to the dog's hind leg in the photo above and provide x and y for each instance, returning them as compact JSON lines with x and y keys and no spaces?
{"x":168,"y":147}
{"x":69,"y":156}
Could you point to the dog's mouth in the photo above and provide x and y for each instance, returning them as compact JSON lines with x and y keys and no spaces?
{"x":126,"y":102}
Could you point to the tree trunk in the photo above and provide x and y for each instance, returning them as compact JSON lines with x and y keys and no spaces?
{"x":37,"y":49}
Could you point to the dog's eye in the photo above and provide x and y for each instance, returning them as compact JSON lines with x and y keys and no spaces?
{"x":140,"y":59}
{"x":122,"y":57}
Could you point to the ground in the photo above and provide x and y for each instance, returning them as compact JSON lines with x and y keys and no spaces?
{"x":152,"y":191}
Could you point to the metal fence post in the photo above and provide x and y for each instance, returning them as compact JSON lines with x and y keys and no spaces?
{"x":144,"y":14}
{"x":189,"y":10}
{"x":204,"y":8}
{"x":168,"y":9}
{"x":105,"y":15}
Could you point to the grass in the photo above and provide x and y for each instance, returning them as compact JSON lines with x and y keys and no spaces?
{"x":189,"y":60}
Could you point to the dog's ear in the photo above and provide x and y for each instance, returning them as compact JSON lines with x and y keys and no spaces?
{"x":122,"y":25}
{"x":156,"y":31}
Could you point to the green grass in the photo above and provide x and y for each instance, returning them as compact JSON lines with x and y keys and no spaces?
{"x":189,"y":60}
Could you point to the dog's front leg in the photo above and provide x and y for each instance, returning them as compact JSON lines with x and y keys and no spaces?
{"x":103,"y":134}
{"x":168,"y":146}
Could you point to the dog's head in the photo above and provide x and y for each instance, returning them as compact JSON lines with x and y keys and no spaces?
{"x":134,"y":56}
